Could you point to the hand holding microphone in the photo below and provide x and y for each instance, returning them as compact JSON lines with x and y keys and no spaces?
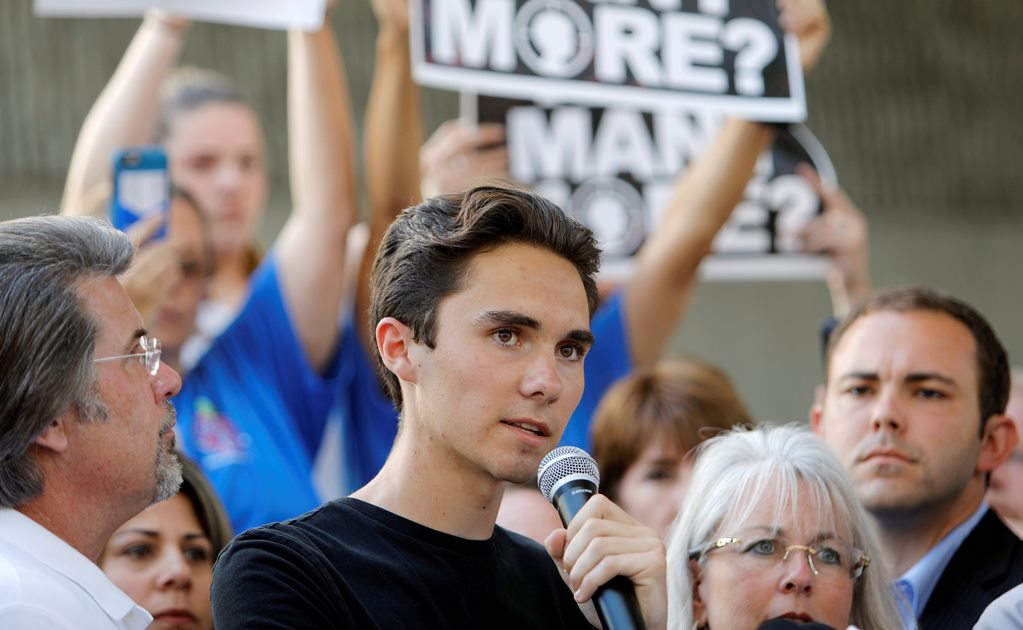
{"x":604,"y":553}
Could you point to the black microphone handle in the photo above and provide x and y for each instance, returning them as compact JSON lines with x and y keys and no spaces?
{"x":615,"y":600}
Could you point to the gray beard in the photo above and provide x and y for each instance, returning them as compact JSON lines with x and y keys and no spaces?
{"x":168,"y":468}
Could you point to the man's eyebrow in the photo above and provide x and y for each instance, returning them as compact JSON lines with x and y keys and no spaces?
{"x":582,"y":336}
{"x":919,"y":377}
{"x":862,"y":376}
{"x":914,"y":377}
{"x":139,"y":332}
{"x":508,"y":318}
{"x":514,"y":318}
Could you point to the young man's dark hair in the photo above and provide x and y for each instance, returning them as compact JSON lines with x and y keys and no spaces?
{"x":992,"y":360}
{"x":429,"y":247}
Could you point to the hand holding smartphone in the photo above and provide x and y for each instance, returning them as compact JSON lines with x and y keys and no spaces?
{"x":141,"y":187}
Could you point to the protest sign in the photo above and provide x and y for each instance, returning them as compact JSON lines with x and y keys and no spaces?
{"x":613,"y":169}
{"x":726,"y":55}
{"x":298,"y":14}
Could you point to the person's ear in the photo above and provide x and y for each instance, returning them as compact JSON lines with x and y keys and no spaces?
{"x":55,"y":436}
{"x":699,"y":606}
{"x":997,"y":443}
{"x":817,"y":408}
{"x":394,"y":341}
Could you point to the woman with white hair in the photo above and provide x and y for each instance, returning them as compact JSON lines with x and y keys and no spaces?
{"x":771,"y":529}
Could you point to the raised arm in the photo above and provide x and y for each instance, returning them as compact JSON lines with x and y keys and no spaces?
{"x":127,"y":110}
{"x":702,"y":200}
{"x":393,"y":134}
{"x":658,"y":294}
{"x":310,"y":250}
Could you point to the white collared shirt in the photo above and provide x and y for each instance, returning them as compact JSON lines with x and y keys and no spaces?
{"x":1005,"y":613}
{"x":46,"y":583}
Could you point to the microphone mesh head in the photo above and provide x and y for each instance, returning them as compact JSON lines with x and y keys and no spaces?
{"x":562,"y":462}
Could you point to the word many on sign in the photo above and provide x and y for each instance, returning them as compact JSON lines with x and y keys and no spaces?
{"x":614,"y":170}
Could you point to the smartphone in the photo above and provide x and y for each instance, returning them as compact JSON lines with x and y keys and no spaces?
{"x":141,"y":187}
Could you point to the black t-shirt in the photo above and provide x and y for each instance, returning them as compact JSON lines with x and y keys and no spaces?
{"x":350,"y":564}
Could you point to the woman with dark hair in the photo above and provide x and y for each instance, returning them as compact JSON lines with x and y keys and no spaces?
{"x":646,"y":427}
{"x":163,"y":557}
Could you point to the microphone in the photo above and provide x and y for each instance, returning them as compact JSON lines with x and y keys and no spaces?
{"x":568,"y":477}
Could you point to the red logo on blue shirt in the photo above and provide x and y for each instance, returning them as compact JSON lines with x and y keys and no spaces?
{"x":217,"y":438}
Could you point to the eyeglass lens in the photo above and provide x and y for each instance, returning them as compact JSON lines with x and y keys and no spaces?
{"x":153,"y":350}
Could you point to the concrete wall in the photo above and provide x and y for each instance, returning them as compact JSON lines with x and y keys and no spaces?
{"x":918,"y":103}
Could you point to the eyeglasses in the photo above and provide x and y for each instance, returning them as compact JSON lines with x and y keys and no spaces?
{"x":150,"y":358}
{"x":826,"y":561}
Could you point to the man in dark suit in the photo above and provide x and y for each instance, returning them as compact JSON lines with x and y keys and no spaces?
{"x":917,"y":384}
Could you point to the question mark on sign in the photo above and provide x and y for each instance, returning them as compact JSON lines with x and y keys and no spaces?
{"x":755,"y":47}
{"x":797,"y":204}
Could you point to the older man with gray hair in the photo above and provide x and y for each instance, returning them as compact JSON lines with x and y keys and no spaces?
{"x":85,"y":422}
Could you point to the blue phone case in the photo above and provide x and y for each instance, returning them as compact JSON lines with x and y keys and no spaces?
{"x":141,"y":187}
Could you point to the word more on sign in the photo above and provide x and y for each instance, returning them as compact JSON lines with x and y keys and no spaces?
{"x":725,"y":55}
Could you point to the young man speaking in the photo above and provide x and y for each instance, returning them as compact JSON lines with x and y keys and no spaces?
{"x":482,"y":304}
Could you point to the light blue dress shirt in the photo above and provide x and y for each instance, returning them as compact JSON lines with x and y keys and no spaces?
{"x":916,"y":585}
